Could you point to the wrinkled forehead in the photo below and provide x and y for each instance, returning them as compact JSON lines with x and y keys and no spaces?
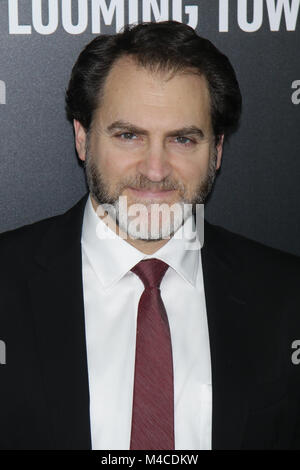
{"x":132,"y":91}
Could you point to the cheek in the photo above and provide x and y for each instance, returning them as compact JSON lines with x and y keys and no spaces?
{"x":193,"y":170}
{"x":112,"y":162}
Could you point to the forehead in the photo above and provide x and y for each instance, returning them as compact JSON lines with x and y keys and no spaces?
{"x":136,"y":94}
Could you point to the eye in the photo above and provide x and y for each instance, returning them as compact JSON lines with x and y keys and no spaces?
{"x":127,"y":136}
{"x":183,"y":140}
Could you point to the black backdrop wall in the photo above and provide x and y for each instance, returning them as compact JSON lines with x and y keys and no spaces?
{"x":257,"y":192}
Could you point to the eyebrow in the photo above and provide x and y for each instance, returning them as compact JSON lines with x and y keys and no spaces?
{"x":129,"y":127}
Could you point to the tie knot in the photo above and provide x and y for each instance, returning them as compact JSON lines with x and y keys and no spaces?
{"x":150,"y":271}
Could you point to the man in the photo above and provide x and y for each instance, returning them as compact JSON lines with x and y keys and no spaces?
{"x":126,"y":335}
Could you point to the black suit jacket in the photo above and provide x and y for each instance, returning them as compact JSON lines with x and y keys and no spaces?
{"x":253,"y":307}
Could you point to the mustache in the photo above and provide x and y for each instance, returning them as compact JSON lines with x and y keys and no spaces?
{"x":142,"y":182}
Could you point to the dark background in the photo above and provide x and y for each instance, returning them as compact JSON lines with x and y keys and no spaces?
{"x":257,"y":192}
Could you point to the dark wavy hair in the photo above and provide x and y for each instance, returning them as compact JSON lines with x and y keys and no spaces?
{"x":164,"y":46}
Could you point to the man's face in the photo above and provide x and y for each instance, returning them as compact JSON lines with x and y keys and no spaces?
{"x":151,"y":140}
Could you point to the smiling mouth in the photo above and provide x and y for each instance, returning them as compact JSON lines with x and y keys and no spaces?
{"x":151,"y":193}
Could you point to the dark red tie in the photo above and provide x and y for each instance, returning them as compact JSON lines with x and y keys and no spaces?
{"x":153,"y":395}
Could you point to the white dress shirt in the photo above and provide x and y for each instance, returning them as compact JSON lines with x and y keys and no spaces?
{"x":111,"y":297}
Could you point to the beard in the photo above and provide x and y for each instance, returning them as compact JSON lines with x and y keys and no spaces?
{"x":160,"y":228}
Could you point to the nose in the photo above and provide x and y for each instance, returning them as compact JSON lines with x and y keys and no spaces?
{"x":155,"y":164}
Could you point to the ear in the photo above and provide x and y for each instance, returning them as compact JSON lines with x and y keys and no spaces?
{"x":220,"y":151}
{"x":80,"y":139}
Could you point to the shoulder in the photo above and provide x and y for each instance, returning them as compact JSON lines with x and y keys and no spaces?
{"x":27,"y":234}
{"x":19,"y":245}
{"x":256,"y":257}
{"x":268,"y":279}
{"x":24,"y":239}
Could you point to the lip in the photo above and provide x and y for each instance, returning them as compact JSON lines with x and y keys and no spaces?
{"x":151,"y":194}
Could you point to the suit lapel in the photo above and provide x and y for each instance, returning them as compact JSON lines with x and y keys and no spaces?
{"x":225,"y":302}
{"x":57,"y":299}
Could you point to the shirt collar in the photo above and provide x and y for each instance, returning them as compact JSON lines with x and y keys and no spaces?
{"x":112,"y":257}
